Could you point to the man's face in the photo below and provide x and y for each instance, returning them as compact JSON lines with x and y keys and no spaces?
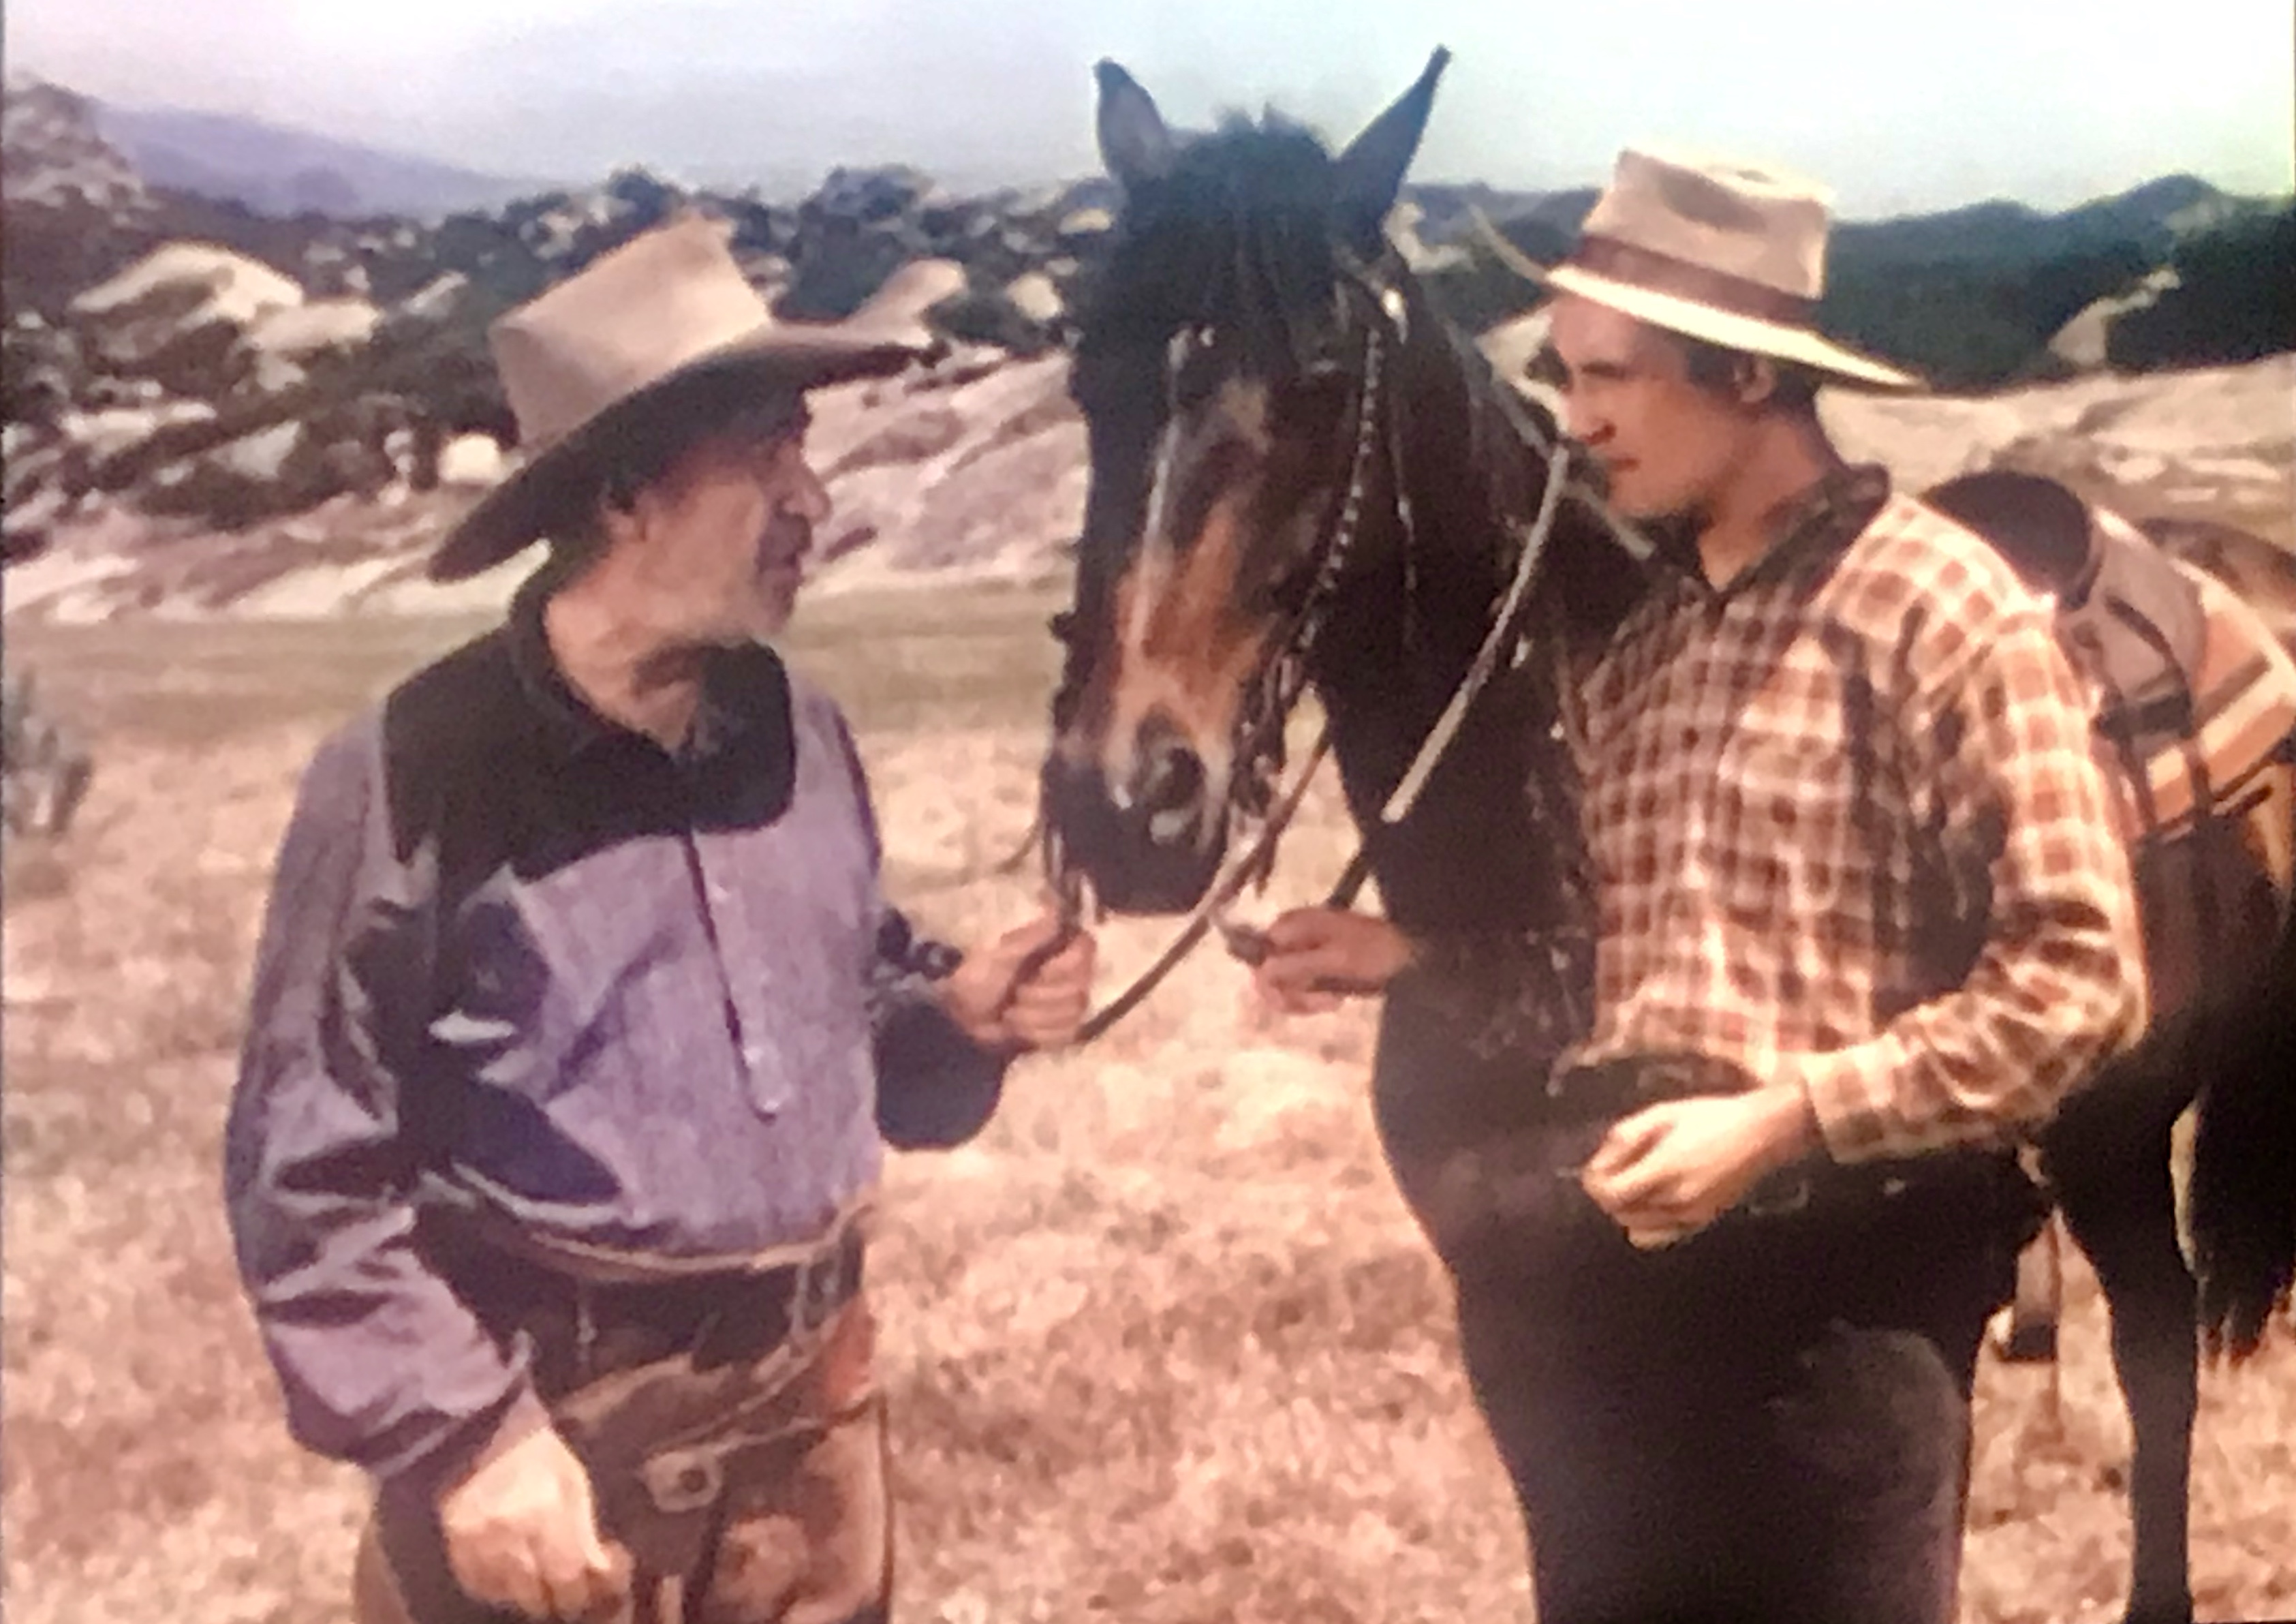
{"x":1666,"y":443}
{"x":726,"y":533}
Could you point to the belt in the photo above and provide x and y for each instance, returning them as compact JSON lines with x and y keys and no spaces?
{"x":1608,"y":1090}
{"x":1613,"y":1088}
{"x":587,"y":1312}
{"x":733,"y":1314}
{"x":730,"y":1428}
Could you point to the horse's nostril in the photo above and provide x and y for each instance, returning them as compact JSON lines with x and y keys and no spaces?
{"x":1171,"y":778}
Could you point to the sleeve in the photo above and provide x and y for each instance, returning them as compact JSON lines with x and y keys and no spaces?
{"x":1997,"y":740}
{"x":381,"y":1366}
{"x":936,"y":1088}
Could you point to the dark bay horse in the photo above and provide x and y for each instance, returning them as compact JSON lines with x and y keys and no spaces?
{"x":1302,"y":477}
{"x":1261,"y":513}
{"x":2109,"y":1153}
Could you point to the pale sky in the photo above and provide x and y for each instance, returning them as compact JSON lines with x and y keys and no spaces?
{"x":1896,"y":107}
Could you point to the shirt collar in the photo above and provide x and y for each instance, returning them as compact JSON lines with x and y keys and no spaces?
{"x":745,"y":691}
{"x":1810,"y":528}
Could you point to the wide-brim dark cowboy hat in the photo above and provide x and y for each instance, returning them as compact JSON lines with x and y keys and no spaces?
{"x":1716,"y":250}
{"x":663,"y":329}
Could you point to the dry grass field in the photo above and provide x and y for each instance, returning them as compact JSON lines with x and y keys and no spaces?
{"x":1164,"y":1345}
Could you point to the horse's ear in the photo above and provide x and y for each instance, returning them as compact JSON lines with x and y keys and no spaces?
{"x":1371,"y":170}
{"x":1134,"y":141}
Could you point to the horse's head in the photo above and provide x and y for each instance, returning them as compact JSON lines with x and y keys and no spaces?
{"x":1223,"y":369}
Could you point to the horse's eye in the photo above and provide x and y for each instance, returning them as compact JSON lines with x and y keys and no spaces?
{"x":1312,"y":403}
{"x":1197,"y":376}
{"x":1190,"y":344}
{"x":1111,"y":384}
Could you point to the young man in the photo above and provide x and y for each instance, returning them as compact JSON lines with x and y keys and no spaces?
{"x":1864,"y":920}
{"x":580,"y":1018}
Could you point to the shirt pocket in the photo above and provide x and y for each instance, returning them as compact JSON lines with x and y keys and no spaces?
{"x":1784,"y":836}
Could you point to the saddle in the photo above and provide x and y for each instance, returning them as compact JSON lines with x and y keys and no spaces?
{"x":2135,"y":624}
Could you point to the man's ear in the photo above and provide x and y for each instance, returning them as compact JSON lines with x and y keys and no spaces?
{"x":1755,"y":381}
{"x":623,"y":510}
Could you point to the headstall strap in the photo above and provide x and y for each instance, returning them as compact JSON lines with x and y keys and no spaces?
{"x":1282,"y":682}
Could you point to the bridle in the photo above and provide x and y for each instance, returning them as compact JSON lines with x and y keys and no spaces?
{"x":1382,"y":313}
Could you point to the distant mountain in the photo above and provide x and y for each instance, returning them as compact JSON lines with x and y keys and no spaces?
{"x":52,"y":154}
{"x":2152,"y":218}
{"x":277,"y":170}
{"x":1447,"y":208}
{"x":1973,"y":296}
{"x":75,"y":208}
{"x":2172,"y":273}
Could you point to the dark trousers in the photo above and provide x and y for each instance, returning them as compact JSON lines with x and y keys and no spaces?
{"x":1769,"y":1421}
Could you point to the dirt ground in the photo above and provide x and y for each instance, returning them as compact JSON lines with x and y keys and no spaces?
{"x":1164,"y":1345}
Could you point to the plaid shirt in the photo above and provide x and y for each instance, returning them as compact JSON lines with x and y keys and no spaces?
{"x":1847,"y":833}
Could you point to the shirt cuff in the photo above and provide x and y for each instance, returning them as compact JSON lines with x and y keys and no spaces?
{"x":1849,"y":1090}
{"x":935,"y":1087}
{"x":484,"y":1438}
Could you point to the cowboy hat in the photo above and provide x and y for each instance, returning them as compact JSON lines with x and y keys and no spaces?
{"x":664,"y":328}
{"x":1713,"y":249}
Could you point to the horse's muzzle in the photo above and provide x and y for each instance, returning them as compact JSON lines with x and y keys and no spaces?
{"x":1153,"y":844}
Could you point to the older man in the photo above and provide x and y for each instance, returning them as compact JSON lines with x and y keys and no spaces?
{"x":579,"y":1018}
{"x":1863,"y":921}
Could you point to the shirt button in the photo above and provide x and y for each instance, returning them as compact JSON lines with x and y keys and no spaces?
{"x":753,"y":1055}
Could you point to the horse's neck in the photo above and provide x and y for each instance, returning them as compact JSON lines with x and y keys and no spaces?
{"x":1486,"y":842}
{"x":1455,"y":491}
{"x":1478,"y":845}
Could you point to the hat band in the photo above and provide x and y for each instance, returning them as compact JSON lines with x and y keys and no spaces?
{"x":1660,"y":273}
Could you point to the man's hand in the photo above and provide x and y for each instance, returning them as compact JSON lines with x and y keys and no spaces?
{"x":1672,"y":1168}
{"x":521,"y":1533}
{"x":1316,"y":956}
{"x":1004,"y":1002}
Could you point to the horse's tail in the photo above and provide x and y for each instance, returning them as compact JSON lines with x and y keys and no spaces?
{"x":2244,"y":1182}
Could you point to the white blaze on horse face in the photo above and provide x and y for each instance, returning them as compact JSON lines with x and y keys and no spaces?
{"x":1185,"y":650}
{"x":1151,"y":561}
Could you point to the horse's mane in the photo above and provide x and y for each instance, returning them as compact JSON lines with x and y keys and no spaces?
{"x":1509,"y":438}
{"x":1238,"y":235}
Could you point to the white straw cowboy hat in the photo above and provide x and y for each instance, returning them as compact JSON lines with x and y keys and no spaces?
{"x":664,"y":323}
{"x":1714,"y":249}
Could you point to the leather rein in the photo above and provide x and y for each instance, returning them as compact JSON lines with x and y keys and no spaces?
{"x":1282,"y":680}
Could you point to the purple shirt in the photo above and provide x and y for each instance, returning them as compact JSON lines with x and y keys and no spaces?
{"x":519,"y":956}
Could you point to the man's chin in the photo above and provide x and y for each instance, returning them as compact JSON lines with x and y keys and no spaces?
{"x":1649,"y":511}
{"x":1630,"y":503}
{"x":774,"y":606}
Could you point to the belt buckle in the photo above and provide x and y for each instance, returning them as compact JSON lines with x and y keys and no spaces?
{"x":681,"y":1480}
{"x":1662,"y":1077}
{"x":818,"y":1290}
{"x":1794,"y":1195}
